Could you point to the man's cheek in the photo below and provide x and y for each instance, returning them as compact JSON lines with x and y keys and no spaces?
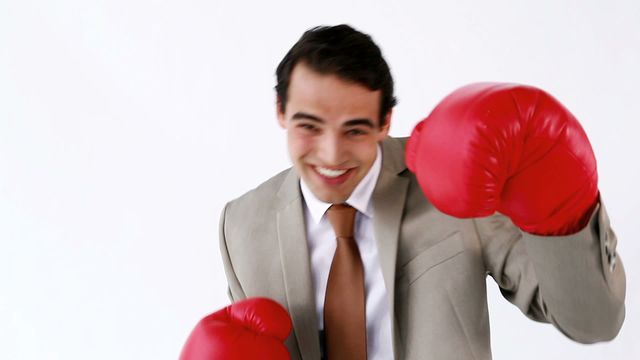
{"x":299,"y":147}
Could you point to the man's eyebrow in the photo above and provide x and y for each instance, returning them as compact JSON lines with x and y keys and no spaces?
{"x":305,"y":116}
{"x":348,"y":123}
{"x":356,"y":122}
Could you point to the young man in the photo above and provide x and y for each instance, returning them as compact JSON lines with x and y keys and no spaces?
{"x":407,"y":281}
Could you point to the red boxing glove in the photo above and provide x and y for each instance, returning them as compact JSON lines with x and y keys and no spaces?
{"x":251,"y":329}
{"x":510,"y":148}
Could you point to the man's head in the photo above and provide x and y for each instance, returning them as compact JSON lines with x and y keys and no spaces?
{"x":335,"y":95}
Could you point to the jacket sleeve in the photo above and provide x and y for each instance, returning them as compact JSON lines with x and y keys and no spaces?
{"x":234,"y":288}
{"x":576,"y":282}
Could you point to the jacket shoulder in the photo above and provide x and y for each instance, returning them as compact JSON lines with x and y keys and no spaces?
{"x":258,"y":199}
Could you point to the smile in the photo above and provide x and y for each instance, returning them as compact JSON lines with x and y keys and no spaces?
{"x":333,"y":177}
{"x":330,"y":173}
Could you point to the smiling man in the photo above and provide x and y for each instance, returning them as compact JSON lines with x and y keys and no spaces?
{"x":379,"y":247}
{"x":333,"y":128}
{"x":335,"y":103}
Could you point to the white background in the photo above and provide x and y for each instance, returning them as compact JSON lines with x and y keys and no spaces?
{"x":126,"y":125}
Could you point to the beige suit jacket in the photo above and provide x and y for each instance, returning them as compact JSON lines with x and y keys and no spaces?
{"x":434,"y":267}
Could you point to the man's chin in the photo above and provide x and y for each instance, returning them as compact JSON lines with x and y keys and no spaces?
{"x":331,"y":197}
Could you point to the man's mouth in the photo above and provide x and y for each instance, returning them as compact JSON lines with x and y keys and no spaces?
{"x":333,"y":176}
{"x":330,"y":173}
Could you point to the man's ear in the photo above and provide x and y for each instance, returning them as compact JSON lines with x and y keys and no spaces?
{"x":384,"y":129}
{"x":280,"y":113}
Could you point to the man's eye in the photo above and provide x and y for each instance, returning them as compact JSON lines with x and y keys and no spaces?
{"x":356,"y":132}
{"x":308,"y":127}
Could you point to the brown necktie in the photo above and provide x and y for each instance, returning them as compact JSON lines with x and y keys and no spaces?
{"x":344,"y":303}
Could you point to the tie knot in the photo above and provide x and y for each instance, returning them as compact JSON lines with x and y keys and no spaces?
{"x":342,"y":218}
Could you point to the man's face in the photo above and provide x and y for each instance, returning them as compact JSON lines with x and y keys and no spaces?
{"x":332,"y":130}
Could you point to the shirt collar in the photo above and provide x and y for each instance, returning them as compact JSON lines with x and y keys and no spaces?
{"x":360,"y":198}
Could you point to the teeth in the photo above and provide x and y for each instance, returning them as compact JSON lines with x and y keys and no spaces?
{"x":329,"y":172}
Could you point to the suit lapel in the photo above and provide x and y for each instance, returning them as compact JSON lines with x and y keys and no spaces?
{"x":294,"y":253}
{"x":389,"y":198}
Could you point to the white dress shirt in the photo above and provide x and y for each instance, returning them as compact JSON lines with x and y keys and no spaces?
{"x":322,"y":245}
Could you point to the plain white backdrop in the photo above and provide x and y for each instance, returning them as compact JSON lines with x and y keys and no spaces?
{"x":126,"y":125}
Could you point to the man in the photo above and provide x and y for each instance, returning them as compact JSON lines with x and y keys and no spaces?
{"x":550,"y":247}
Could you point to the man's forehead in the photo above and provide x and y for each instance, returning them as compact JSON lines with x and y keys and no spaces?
{"x":329,"y":90}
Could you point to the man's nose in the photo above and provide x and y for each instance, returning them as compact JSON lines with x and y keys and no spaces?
{"x":331,"y":150}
